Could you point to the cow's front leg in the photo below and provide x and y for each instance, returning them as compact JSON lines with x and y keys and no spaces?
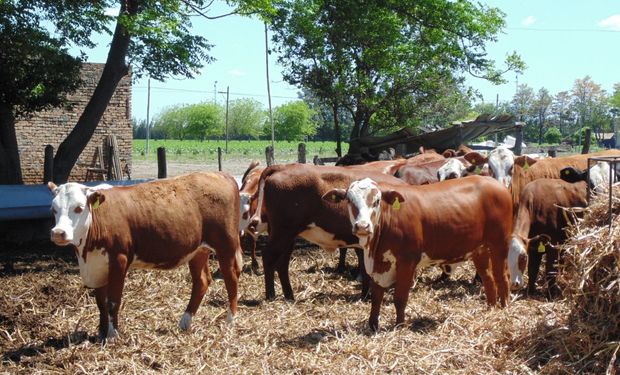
{"x":376,"y":296}
{"x":365,"y":278}
{"x":404,"y":280}
{"x":116,"y":283}
{"x":101,"y":296}
{"x":201,"y":278}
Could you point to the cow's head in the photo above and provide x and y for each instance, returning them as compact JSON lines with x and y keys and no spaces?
{"x":599,"y":176}
{"x":363,"y":199}
{"x":71,"y":206}
{"x":453,"y":168}
{"x":517,"y":256}
{"x":245,"y":203}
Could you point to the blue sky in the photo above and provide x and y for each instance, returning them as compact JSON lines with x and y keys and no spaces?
{"x":560,"y":41}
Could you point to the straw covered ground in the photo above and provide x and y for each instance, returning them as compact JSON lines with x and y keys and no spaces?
{"x":48,"y":321}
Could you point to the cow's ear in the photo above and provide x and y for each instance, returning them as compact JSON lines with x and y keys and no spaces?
{"x":391,"y":197}
{"x":53,"y":188}
{"x":95,"y":199}
{"x":449,"y":153}
{"x":524,"y":161}
{"x":475,"y":158}
{"x":335,"y":195}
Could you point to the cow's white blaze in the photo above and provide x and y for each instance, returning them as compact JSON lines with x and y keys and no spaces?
{"x":321,"y":237}
{"x":94,"y":269}
{"x":517,"y":250}
{"x":387,"y":278}
{"x":501,"y":161}
{"x":599,"y":176}
{"x":453,"y":168}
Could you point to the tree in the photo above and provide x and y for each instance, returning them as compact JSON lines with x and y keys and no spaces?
{"x":540,"y":107}
{"x":367,"y":56}
{"x":152,"y":35}
{"x":194,"y":121}
{"x":590,"y":103}
{"x":561,"y":109}
{"x":553,"y":135}
{"x":36,"y":70}
{"x":522,"y":103}
{"x":245,"y":119}
{"x":293,"y":121}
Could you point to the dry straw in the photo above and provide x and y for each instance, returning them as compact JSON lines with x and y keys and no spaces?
{"x":48,"y":319}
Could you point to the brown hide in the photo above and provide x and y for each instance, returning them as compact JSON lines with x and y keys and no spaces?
{"x":293,"y":201}
{"x":448,"y":221}
{"x":548,"y":168}
{"x":162,"y":221}
{"x":424,"y":173}
{"x":538,"y":214}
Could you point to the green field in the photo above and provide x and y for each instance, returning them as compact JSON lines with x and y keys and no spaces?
{"x":191,"y":150}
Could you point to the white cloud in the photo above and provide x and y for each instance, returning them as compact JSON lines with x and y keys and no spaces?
{"x":236,"y":72}
{"x":611,"y":22}
{"x":111,"y":12}
{"x":529,"y":20}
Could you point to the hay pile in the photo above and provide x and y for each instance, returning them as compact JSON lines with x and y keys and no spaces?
{"x":590,"y":278}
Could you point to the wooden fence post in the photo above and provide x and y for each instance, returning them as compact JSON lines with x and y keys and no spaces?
{"x":48,"y":164}
{"x":162,"y":169}
{"x":219,"y":159}
{"x":301,"y":153}
{"x":586,"y":141}
{"x":518,"y":139}
{"x":269,"y":156}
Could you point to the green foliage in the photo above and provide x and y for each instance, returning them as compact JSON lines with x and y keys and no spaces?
{"x":553,"y":136}
{"x":370,"y":56}
{"x":293,"y":121}
{"x":245,"y":118}
{"x":579,"y":137}
{"x":195,"y":121}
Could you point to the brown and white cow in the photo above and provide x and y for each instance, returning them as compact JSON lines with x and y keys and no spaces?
{"x":540,"y":225}
{"x":159,"y":224}
{"x":290,"y":202}
{"x":405,"y":228}
{"x":247,"y":207}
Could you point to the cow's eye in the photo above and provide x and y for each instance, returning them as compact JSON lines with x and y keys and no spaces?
{"x":78,"y":210}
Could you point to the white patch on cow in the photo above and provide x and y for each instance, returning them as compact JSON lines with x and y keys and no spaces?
{"x":357,"y":194}
{"x":321,"y":237}
{"x":517,"y":249}
{"x":94,"y":270}
{"x":112,"y":332}
{"x":186,"y":321}
{"x":244,"y":207}
{"x":239,"y":258}
{"x":453,"y":168}
{"x":387,"y":278}
{"x":501,"y":161}
{"x":599,"y":176}
{"x":230,"y":318}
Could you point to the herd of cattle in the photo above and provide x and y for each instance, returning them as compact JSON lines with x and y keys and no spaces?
{"x":400,"y":215}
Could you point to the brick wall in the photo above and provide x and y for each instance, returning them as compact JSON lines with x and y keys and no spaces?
{"x":51,"y":127}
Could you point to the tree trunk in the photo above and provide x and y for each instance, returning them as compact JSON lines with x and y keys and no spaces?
{"x":10,"y":168}
{"x":540,"y":132}
{"x":115,"y":69}
{"x":337,"y":130}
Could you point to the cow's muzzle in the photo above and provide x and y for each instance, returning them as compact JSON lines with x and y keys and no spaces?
{"x":362,"y":228}
{"x":59,"y":237}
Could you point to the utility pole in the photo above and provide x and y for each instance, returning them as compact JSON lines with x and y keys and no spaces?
{"x":227,"y":94}
{"x":215,"y":92}
{"x":268,"y":87}
{"x":148,"y":108}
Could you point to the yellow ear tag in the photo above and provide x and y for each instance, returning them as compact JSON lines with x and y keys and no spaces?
{"x":477,"y":170}
{"x":396,"y":205}
{"x":567,"y":172}
{"x":96,"y":204}
{"x":526,"y":166}
{"x":541,"y":247}
{"x":334,"y":197}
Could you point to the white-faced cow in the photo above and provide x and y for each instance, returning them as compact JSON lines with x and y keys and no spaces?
{"x":540,"y":225}
{"x":247,"y":208}
{"x":290,"y":202}
{"x":160,"y":224}
{"x":599,"y":176}
{"x":403,"y":229}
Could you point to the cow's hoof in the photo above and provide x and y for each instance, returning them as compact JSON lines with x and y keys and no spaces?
{"x":186,"y":321}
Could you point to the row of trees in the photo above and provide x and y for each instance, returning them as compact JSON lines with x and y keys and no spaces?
{"x":562,"y":116}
